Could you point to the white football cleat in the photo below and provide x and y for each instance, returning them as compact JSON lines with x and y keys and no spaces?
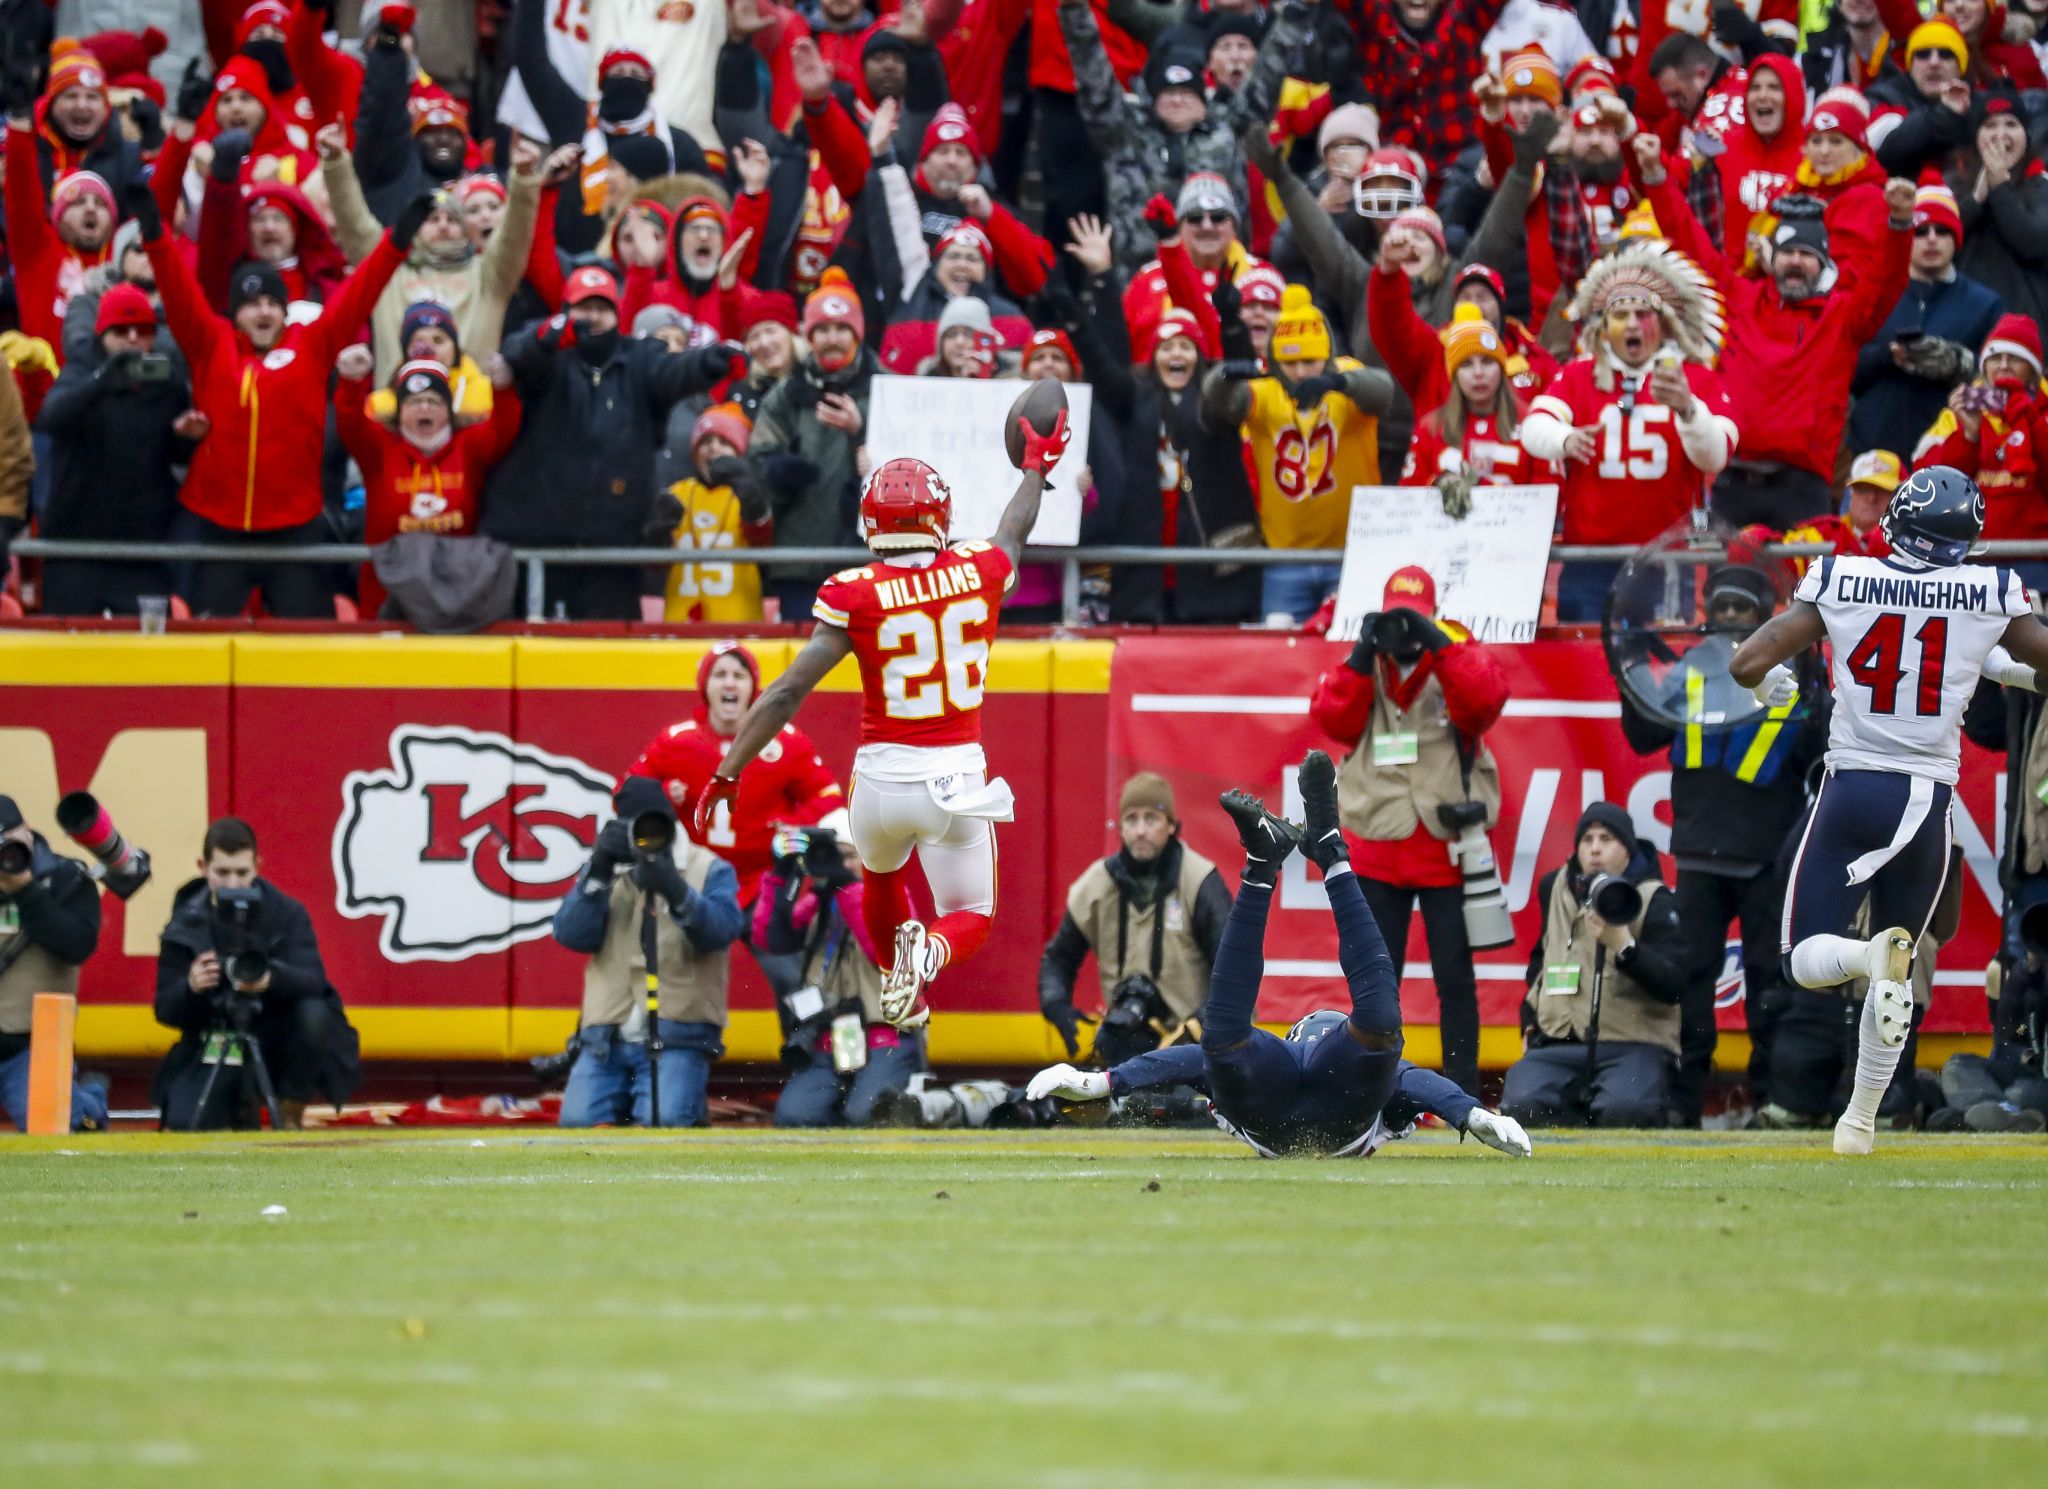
{"x":1890,"y":969}
{"x":902,"y":998}
{"x":1069,"y":1084}
{"x":1500,"y":1133}
{"x":1854,"y":1139}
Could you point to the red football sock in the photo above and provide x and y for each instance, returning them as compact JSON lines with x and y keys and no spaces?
{"x":958,"y":936}
{"x":885,"y":905}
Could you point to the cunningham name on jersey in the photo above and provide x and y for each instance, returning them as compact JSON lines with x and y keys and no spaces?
{"x":1908,"y":649}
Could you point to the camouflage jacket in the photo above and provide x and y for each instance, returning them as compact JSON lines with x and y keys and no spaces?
{"x":1140,"y":158}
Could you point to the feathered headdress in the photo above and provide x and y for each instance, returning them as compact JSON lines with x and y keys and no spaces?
{"x":1656,"y":274}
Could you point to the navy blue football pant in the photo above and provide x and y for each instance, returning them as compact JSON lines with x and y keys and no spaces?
{"x":1863,"y":814}
{"x":1275,"y":1090}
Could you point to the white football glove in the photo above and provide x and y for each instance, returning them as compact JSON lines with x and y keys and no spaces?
{"x":2002,"y":668}
{"x":1068,"y":1083}
{"x":1502,"y":1134}
{"x":1778,"y":688}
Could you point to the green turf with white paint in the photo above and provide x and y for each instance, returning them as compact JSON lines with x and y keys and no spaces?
{"x":747,"y":1308}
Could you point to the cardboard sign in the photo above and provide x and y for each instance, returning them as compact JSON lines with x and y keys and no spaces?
{"x":1488,"y":565}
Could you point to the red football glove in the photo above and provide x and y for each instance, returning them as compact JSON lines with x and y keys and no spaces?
{"x":724,"y":789}
{"x":557,"y":332}
{"x":1161,"y":217}
{"x":1043,"y":451}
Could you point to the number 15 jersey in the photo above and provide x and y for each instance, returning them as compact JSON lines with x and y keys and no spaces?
{"x":921,"y":637}
{"x":1909,"y":646}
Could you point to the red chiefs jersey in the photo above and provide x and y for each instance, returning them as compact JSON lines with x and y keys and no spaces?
{"x":1495,"y":461}
{"x":921,"y":637}
{"x":1639,"y":480}
{"x":786,"y":783}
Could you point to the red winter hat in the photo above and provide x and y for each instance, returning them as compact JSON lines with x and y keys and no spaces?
{"x":72,"y":66}
{"x":469,"y":186}
{"x":1059,"y":341}
{"x":969,"y":232}
{"x":1490,"y":277}
{"x":1842,"y":111}
{"x":263,"y":13}
{"x":767,"y":305}
{"x":950,"y":126}
{"x":1590,"y":74}
{"x":1410,"y":589}
{"x":726,"y":649}
{"x":1937,"y":204}
{"x":123,"y":305}
{"x":729,"y":422}
{"x":120,"y":52}
{"x":835,"y":303}
{"x":143,"y":83}
{"x":423,"y":375}
{"x":1174,"y":322}
{"x":81,"y":183}
{"x":591,"y":282}
{"x":1261,"y":284}
{"x":622,"y":57}
{"x":2016,"y":335}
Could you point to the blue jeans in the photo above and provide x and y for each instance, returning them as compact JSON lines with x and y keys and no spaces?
{"x":1297,"y":589}
{"x":819,"y":1096}
{"x":608,"y":1083}
{"x":1582,"y":590}
{"x":88,"y":1103}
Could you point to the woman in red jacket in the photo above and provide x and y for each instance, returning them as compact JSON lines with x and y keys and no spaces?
{"x":263,"y":383}
{"x":425,"y":475}
{"x":1469,"y":438}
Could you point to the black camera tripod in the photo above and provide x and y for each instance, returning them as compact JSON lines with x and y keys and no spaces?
{"x":231,"y":1028}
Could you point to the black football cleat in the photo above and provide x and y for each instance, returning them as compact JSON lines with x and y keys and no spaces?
{"x":1322,"y":839}
{"x":1267,"y":839}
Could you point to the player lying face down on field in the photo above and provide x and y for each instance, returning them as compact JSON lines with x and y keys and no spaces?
{"x":919,"y":621}
{"x":1911,"y":636}
{"x":1336,"y":1086}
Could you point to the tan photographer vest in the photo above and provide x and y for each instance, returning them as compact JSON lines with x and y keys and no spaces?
{"x":36,"y":970}
{"x":693,"y":983}
{"x":1628,"y":1015}
{"x":1384,"y":803}
{"x":1098,"y":909}
{"x":847,"y":977}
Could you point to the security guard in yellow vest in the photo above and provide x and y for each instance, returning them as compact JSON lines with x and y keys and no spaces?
{"x":696,"y":911}
{"x":1600,"y":1021}
{"x":1153,"y":914}
{"x":49,"y":924}
{"x":1734,"y":792}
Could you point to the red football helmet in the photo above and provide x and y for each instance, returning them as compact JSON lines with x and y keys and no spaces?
{"x":905,"y":506}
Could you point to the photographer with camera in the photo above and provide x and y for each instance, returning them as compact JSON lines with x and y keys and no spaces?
{"x":1419,"y":790}
{"x":843,"y":1057}
{"x":646,"y":881}
{"x":1600,"y":1022}
{"x":238,"y":973}
{"x":1153,"y":914}
{"x":1733,"y":789}
{"x":49,"y":925}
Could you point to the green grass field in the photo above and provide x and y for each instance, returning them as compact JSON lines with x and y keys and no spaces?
{"x":1105,"y":1311}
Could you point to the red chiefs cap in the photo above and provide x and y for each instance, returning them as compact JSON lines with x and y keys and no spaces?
{"x":1410,"y":589}
{"x":591,"y":283}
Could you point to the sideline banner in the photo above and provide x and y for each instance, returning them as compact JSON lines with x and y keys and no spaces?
{"x":955,"y":425}
{"x":1488,"y":565}
{"x":1213,"y":714}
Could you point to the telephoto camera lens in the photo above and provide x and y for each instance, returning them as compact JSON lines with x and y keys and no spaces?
{"x":15,"y":857}
{"x":247,"y":968}
{"x":654,"y":833}
{"x":1614,"y":899}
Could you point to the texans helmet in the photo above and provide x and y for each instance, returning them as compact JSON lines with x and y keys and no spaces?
{"x":905,"y":507}
{"x":1313,"y":1026}
{"x":1936,"y":516}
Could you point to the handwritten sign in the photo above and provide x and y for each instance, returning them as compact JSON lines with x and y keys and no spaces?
{"x":1488,"y":565}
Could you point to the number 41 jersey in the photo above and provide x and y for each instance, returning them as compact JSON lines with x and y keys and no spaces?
{"x":921,"y":637}
{"x":1909,"y":646}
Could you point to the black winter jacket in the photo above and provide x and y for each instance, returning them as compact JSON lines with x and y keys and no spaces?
{"x":112,"y":450}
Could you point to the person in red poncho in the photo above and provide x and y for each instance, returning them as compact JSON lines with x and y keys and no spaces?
{"x":787,"y":784}
{"x":423,"y":474}
{"x":263,"y":384}
{"x":1415,"y":694}
{"x":1761,"y":147}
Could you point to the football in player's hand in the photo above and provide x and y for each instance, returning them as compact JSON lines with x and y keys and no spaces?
{"x":1040,"y":405}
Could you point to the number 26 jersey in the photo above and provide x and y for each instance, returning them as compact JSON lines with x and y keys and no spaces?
{"x":1909,"y":646}
{"x":921,"y":637}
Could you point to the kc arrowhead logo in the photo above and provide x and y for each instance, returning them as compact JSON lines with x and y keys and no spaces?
{"x":466,"y":844}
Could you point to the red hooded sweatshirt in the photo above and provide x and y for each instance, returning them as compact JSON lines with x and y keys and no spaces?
{"x":1756,"y":171}
{"x":256,"y":470}
{"x":313,"y":272}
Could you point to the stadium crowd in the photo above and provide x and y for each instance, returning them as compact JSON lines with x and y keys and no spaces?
{"x":603,"y":273}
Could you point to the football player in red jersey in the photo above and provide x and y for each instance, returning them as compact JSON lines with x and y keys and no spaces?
{"x":919,"y":622}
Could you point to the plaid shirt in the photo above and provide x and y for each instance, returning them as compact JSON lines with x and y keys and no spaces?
{"x":1573,"y":242}
{"x":1423,"y":86}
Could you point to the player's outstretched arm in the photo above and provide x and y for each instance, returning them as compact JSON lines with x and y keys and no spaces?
{"x":2025,"y":644}
{"x":776,"y":706}
{"x":1777,"y":641}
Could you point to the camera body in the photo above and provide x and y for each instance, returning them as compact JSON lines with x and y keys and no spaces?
{"x":1134,"y":1002}
{"x":1487,"y":923}
{"x":1397,"y":631}
{"x":243,"y":959}
{"x":815,"y":851}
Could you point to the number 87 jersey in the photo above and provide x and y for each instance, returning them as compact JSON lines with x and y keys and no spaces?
{"x":1909,"y":646}
{"x":921,"y":637}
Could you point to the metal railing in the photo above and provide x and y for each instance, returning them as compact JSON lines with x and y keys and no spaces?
{"x":535,"y":561}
